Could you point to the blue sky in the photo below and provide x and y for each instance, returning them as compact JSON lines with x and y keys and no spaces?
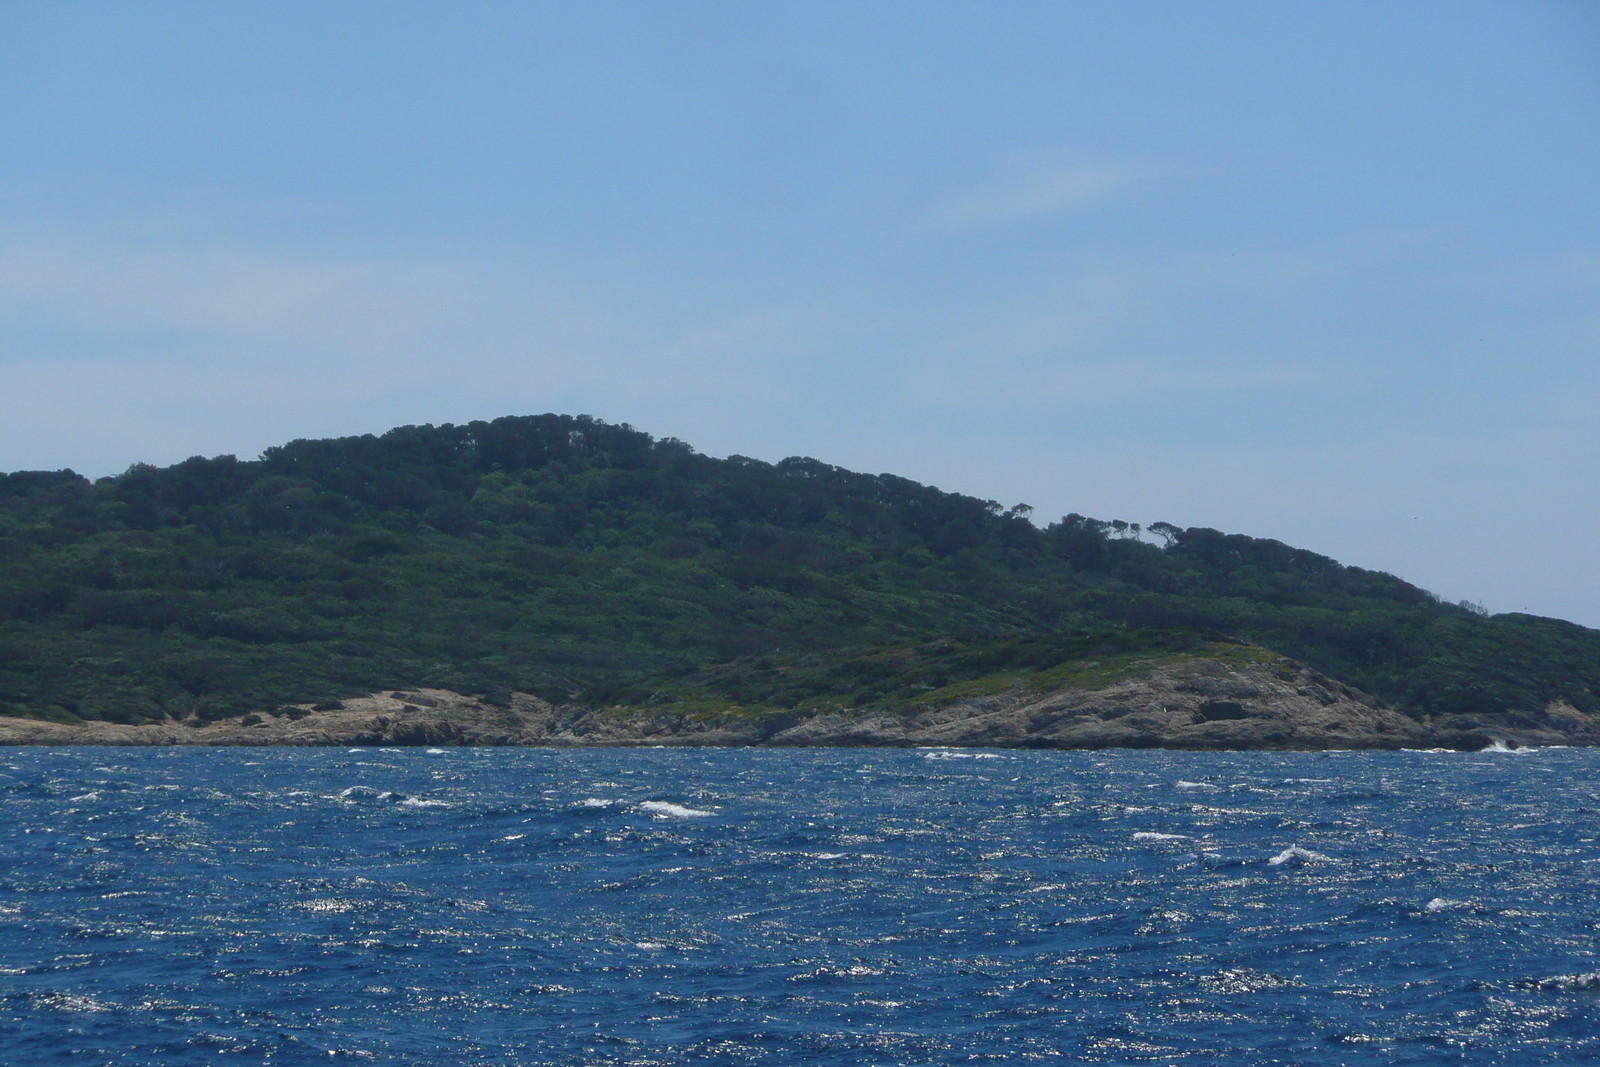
{"x":1328,"y":273}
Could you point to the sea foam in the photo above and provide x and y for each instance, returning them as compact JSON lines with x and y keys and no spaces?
{"x":673,"y":811}
{"x":1296,"y":855}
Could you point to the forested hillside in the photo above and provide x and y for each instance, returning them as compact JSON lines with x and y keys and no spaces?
{"x":592,"y":563}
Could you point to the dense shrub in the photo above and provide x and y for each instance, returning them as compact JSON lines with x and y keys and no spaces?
{"x":579,"y":560}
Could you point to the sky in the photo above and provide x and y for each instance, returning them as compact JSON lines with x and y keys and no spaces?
{"x":1321,"y":272}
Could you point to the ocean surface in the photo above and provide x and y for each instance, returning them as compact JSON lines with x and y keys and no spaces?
{"x":656,"y":906}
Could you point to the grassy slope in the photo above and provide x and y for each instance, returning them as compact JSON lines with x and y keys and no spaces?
{"x":579,"y":560}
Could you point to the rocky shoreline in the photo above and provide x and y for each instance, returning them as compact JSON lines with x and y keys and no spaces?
{"x":1190,"y":703}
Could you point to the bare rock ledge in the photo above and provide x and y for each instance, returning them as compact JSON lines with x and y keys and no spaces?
{"x":1181,"y":703}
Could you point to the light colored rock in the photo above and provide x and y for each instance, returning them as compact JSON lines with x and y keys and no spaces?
{"x":1185,"y":703}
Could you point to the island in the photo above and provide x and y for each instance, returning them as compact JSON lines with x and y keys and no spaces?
{"x":558,"y":580}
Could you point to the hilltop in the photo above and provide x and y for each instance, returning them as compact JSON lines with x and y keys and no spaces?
{"x":581,"y":565}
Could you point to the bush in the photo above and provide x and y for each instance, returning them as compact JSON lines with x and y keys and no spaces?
{"x":589,"y":560}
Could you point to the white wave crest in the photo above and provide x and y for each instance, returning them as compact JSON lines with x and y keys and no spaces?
{"x":329,"y":907}
{"x":1296,"y":854}
{"x":1193,"y":785}
{"x":855,"y":971}
{"x":596,"y":802}
{"x":1567,"y":983}
{"x":1151,"y":835}
{"x":1441,"y":904}
{"x":73,"y":1002}
{"x":367,"y":792}
{"x":673,"y":811}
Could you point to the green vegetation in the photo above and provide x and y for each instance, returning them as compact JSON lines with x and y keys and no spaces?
{"x":898,"y":677}
{"x":589,"y":562}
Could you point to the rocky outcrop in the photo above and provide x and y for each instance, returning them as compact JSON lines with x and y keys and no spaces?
{"x":424,"y":717}
{"x":1189,"y":703}
{"x":1184,"y":703}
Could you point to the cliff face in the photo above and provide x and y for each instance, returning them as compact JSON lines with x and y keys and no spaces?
{"x":1183,"y":702}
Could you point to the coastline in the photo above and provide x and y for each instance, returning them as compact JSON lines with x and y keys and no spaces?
{"x":1186,"y":703}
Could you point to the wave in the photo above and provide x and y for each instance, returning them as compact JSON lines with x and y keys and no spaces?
{"x":1243,"y":980}
{"x":329,"y":906}
{"x":1217,"y":859}
{"x":1441,"y":904}
{"x":1499,"y":747}
{"x":1296,"y":855}
{"x":387,"y":796}
{"x":823,"y":973}
{"x":673,"y":811}
{"x":1151,"y":835}
{"x":71,"y":1002}
{"x":1569,"y":983}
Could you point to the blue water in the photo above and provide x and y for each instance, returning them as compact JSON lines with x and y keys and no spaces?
{"x":771,"y":907}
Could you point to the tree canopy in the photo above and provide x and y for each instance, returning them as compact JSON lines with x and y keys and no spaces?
{"x":580,"y":561}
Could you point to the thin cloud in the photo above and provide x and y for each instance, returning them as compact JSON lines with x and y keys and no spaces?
{"x":1027,"y":196}
{"x":103,"y":345}
{"x":223,"y":293}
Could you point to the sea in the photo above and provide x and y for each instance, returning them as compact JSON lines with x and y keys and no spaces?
{"x":817,"y":907}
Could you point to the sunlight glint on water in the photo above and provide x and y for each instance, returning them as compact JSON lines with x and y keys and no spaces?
{"x":840,"y":906}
